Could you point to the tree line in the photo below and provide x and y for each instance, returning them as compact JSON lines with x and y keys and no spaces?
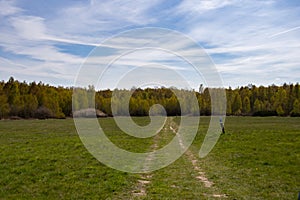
{"x":39,"y":100}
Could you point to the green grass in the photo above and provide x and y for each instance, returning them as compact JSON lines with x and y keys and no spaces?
{"x":176,"y":181}
{"x":257,"y":158}
{"x":46,"y":159}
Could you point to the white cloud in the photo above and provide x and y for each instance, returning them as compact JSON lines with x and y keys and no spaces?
{"x":250,"y":38}
{"x":28,"y":27}
{"x":8,"y":8}
{"x":285,"y":31}
{"x":25,"y":37}
{"x":244,"y":38}
{"x":194,"y":6}
{"x":88,"y":24}
{"x":102,"y":17}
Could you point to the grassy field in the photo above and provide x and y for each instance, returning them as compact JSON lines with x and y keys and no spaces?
{"x":257,"y":158}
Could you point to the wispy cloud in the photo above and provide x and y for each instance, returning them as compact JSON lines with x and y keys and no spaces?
{"x":199,"y":7}
{"x":8,"y":8}
{"x":36,"y":37}
{"x":285,"y":31}
{"x":248,"y":40}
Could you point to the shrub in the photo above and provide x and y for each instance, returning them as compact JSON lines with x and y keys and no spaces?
{"x":43,"y":113}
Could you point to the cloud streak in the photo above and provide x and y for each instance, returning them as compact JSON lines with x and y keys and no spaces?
{"x":285,"y":31}
{"x":248,"y":40}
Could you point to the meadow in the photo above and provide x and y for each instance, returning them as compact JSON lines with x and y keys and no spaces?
{"x":257,"y":158}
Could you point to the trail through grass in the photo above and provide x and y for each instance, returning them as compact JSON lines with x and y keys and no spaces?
{"x":257,"y":158}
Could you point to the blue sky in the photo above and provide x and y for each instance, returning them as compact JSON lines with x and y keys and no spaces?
{"x":250,"y":41}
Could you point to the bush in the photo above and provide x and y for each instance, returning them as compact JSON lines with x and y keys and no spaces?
{"x":294,"y":114}
{"x":43,"y":113}
{"x":265,"y":113}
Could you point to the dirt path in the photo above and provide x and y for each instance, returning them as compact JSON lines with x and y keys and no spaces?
{"x":192,"y":158}
{"x":145,"y":179}
{"x":140,"y":190}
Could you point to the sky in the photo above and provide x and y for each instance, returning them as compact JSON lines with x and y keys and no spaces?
{"x":248,"y":41}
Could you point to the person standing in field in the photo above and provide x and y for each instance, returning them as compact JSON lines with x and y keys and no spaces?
{"x":222,"y":126}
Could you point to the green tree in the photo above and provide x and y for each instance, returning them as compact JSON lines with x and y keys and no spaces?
{"x":106,"y":106}
{"x":296,"y":91}
{"x":50,"y":100}
{"x":246,"y":105}
{"x":65,"y":100}
{"x":206,"y":104}
{"x":80,"y":99}
{"x":99,"y":101}
{"x":173,"y":107}
{"x":296,"y":108}
{"x":237,"y":104}
{"x":280,"y":111}
{"x":4,"y":106}
{"x":14,"y":99}
{"x":30,"y":105}
{"x":281,"y":102}
{"x":229,"y":97}
{"x":91,"y":96}
{"x":257,"y":106}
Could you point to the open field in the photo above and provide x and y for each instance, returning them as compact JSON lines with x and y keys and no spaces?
{"x":257,"y":158}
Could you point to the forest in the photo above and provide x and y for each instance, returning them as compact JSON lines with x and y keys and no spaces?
{"x":39,"y":100}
